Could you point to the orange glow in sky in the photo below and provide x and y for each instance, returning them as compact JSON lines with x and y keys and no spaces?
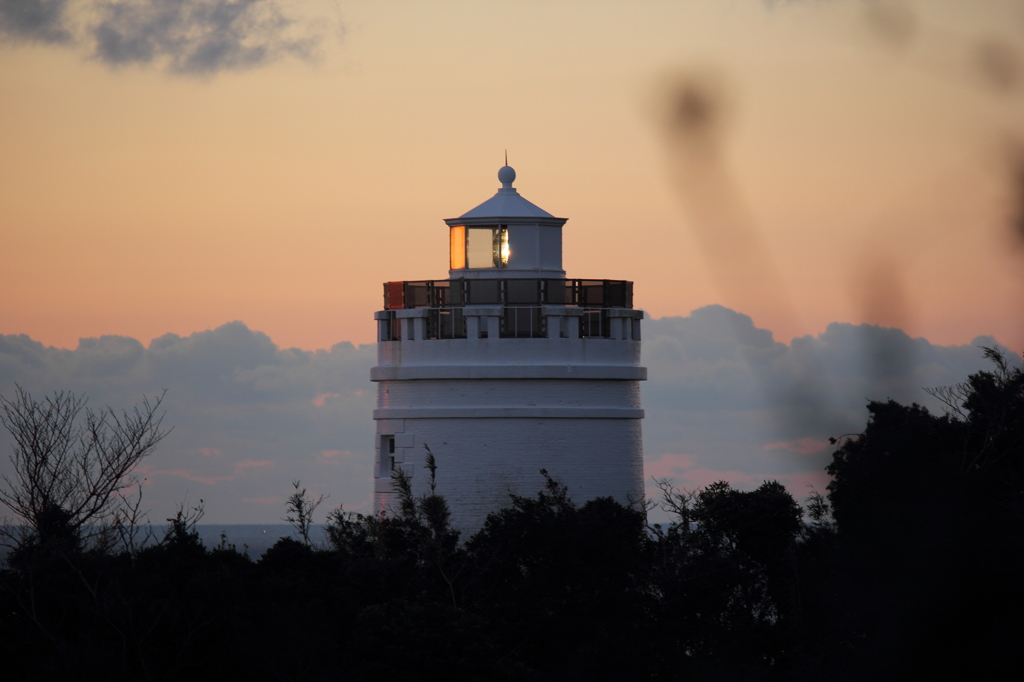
{"x":860,"y":172}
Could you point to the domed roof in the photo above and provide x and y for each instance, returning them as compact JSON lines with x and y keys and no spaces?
{"x":507,"y":203}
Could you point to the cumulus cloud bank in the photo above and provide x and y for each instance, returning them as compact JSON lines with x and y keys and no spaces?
{"x":724,"y":400}
{"x":193,"y":37}
{"x":248,"y":417}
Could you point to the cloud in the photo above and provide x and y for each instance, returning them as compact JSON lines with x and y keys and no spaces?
{"x":744,"y":407}
{"x":724,"y":401}
{"x":803,"y":446}
{"x":322,"y":398}
{"x":197,"y":36}
{"x":245,"y":464}
{"x":335,"y":456}
{"x":185,"y":37}
{"x":667,"y":465}
{"x":40,"y":21}
{"x":265,"y":501}
{"x":151,"y":474}
{"x":241,"y":409}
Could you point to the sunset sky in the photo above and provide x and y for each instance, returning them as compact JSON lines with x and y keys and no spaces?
{"x":138,"y":200}
{"x":169,"y":173}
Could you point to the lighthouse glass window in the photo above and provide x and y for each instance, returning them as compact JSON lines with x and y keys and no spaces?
{"x":486,"y":247}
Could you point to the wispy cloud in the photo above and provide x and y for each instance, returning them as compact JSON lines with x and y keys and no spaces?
{"x":198,"y":36}
{"x":152,"y":474}
{"x":264,"y":501}
{"x":246,"y":464}
{"x":668,"y":465}
{"x":803,"y":446}
{"x":322,"y":398}
{"x":185,"y":37}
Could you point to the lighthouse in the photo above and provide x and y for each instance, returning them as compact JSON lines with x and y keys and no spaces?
{"x":506,"y":368}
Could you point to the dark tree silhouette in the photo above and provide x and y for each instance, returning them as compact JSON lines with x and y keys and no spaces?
{"x":566,"y":587}
{"x":72,"y":463}
{"x":930,"y":530}
{"x":728,"y":578}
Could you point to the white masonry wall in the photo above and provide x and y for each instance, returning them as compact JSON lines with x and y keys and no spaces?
{"x":495,"y":411}
{"x":480,"y":462}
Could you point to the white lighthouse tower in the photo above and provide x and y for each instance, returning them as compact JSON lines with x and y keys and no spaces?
{"x":506,"y":368}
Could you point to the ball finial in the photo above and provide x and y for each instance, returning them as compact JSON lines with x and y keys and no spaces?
{"x":506,"y":175}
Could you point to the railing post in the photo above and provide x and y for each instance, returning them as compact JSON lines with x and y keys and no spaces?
{"x":624,"y":323}
{"x":385,"y":318}
{"x":567,"y":322}
{"x":555,"y":315}
{"x":414,"y":323}
{"x":480,"y":318}
{"x":472,"y":326}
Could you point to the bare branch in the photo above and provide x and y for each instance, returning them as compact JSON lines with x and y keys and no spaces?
{"x":953,"y":399}
{"x":70,"y":458}
{"x":678,"y":502}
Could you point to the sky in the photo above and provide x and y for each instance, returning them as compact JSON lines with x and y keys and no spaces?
{"x":217,"y":182}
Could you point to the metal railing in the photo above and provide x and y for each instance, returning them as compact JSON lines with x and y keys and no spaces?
{"x":523,"y":322}
{"x":514,"y":322}
{"x":595,"y":324}
{"x":446,"y":323}
{"x":584,"y":293}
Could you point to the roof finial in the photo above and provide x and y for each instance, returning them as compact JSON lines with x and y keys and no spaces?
{"x":506,"y":175}
{"x":506,"y":157}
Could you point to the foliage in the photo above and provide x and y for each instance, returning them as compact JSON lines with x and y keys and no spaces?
{"x":300,"y":507}
{"x":727,"y":571}
{"x":909,"y":567}
{"x":181,"y":530}
{"x":930,"y":530}
{"x":566,"y":587}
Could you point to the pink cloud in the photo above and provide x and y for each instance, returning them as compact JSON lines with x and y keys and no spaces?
{"x":148,"y":472}
{"x":206,"y":480}
{"x":333,"y":456}
{"x":209,"y":452}
{"x":804,"y":446}
{"x":699,"y":477}
{"x":322,"y":398}
{"x":668,"y":466}
{"x":252,"y":464}
{"x":799,"y":484}
{"x":263,"y":500}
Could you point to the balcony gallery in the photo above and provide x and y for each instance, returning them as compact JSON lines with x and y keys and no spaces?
{"x":524,"y":308}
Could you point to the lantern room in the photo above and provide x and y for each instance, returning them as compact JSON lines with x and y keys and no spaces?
{"x":505,"y":237}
